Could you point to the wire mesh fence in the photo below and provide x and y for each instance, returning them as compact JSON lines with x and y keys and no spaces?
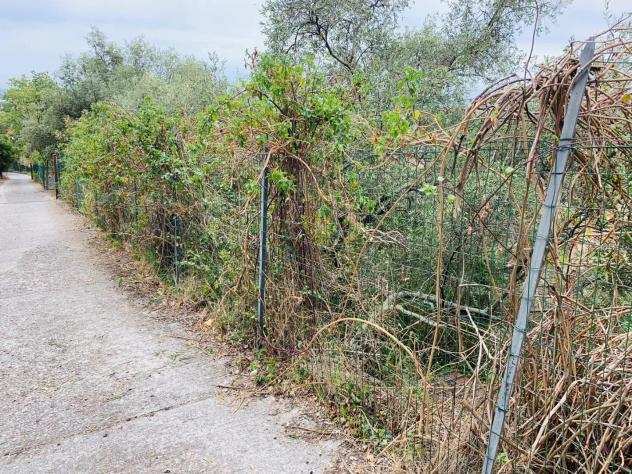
{"x":47,"y":174}
{"x":578,"y":337}
{"x":436,"y":290}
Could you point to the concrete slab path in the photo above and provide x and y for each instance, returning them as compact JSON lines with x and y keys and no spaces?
{"x":90,"y":381}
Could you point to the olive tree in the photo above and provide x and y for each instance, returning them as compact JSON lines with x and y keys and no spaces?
{"x":7,"y":154}
{"x":349,"y":32}
{"x":473,"y":41}
{"x":30,"y":114}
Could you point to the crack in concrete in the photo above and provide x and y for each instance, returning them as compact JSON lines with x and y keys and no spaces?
{"x":38,"y":446}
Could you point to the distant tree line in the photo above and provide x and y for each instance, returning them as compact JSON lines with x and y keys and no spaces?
{"x":357,"y":43}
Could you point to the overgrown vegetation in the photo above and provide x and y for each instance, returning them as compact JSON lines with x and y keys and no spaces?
{"x":7,"y":154}
{"x":400,"y":218}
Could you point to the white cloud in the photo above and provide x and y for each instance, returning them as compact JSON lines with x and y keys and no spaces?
{"x":35,"y":34}
{"x":578,"y":21}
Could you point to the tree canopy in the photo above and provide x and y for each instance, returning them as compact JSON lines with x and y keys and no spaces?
{"x":474,"y":40}
{"x":36,"y":108}
{"x":7,"y":154}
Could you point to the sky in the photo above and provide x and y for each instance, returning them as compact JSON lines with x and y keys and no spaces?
{"x":36,"y":34}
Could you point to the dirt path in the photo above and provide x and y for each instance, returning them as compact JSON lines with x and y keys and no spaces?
{"x":90,"y":381}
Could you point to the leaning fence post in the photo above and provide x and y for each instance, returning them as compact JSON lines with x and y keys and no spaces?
{"x":263,"y":252}
{"x":547,"y":216}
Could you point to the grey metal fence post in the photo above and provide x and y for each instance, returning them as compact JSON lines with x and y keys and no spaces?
{"x":56,"y":174}
{"x":177,"y":228}
{"x":263,"y":252}
{"x":45,"y":179}
{"x":547,"y":216}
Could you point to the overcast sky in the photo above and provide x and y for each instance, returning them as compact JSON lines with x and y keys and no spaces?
{"x":35,"y":34}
